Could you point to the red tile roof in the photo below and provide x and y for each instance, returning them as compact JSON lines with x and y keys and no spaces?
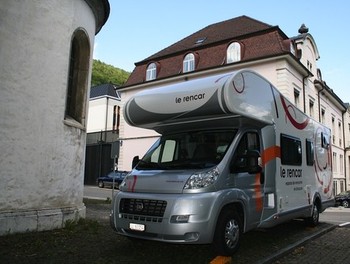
{"x":257,"y":39}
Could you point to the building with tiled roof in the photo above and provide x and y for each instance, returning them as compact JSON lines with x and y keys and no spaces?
{"x":258,"y":41}
{"x":289,"y":63}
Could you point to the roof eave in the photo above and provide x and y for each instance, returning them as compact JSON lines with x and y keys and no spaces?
{"x":101,"y":10}
{"x":234,"y":66}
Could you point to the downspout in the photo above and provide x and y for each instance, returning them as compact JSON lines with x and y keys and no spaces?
{"x":304,"y":86}
{"x":106,"y":116}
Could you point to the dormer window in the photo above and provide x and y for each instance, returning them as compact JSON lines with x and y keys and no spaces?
{"x":233,"y":52}
{"x":188,"y":63}
{"x":200,"y":40}
{"x":151,"y":72}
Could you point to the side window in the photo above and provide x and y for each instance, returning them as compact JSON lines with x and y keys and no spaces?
{"x":169,"y":151}
{"x":78,"y":78}
{"x":309,"y":152}
{"x":166,"y":154}
{"x":249,"y":142}
{"x":290,"y":150}
{"x":155,"y":155}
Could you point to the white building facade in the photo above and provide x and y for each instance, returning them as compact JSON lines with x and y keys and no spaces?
{"x":45,"y":71}
{"x":104,"y":108}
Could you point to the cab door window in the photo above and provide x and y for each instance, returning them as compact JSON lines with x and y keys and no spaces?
{"x":249,"y":143}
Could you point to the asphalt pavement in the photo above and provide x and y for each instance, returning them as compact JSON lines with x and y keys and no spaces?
{"x":328,"y":245}
{"x":331,"y":246}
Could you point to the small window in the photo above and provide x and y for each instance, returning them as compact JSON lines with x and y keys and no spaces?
{"x":311,"y":108}
{"x":290,"y":150}
{"x":323,"y":116}
{"x":188,"y":63}
{"x":309,"y":152}
{"x":233,"y":52}
{"x":296,"y":98}
{"x":151,"y":72}
{"x":200,"y":40}
{"x":116,"y":118}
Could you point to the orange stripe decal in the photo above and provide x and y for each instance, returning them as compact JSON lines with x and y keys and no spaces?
{"x":258,"y":195}
{"x":271,"y":153}
{"x":268,"y":154}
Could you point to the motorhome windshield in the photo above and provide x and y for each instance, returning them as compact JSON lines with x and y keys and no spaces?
{"x":188,"y":150}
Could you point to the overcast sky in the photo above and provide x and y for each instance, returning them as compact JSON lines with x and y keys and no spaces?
{"x":137,"y":29}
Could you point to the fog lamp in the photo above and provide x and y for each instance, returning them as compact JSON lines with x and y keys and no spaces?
{"x":179,"y":218}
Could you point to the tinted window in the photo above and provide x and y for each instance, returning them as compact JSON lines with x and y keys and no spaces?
{"x":290,"y":150}
{"x":309,"y":152}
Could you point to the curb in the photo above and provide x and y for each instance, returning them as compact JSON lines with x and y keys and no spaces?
{"x":94,"y":198}
{"x":288,"y":249}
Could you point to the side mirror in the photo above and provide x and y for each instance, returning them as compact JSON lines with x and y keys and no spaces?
{"x":249,"y":162}
{"x":254,"y":162}
{"x":135,"y":160}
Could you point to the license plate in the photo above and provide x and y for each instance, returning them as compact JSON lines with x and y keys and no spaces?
{"x":137,"y":227}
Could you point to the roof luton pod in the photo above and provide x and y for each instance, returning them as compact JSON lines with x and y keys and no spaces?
{"x":225,"y":95}
{"x":233,"y":155}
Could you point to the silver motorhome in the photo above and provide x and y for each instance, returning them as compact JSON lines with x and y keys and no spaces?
{"x":233,"y":155}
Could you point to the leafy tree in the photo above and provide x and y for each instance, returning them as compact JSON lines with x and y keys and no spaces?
{"x":104,"y":73}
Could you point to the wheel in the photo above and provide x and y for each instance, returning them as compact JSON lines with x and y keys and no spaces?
{"x":100,"y":184}
{"x":345,"y":203}
{"x":227,"y":233}
{"x":314,"y":218}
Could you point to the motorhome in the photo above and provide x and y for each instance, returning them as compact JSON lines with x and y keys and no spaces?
{"x":233,"y":155}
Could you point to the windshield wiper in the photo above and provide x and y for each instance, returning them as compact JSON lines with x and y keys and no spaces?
{"x":148,"y":165}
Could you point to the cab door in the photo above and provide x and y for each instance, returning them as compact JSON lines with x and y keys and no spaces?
{"x":248,"y":176}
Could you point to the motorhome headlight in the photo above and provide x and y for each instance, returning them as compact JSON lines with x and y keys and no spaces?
{"x":202,"y":179}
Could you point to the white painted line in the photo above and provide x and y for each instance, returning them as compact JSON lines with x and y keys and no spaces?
{"x":344,"y":224}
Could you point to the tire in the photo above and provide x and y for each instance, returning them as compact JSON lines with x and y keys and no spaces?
{"x":313,"y":220}
{"x":228,"y":233}
{"x":101,"y":184}
{"x":345,"y":204}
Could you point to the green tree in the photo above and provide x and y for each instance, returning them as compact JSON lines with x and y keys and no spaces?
{"x":104,"y":73}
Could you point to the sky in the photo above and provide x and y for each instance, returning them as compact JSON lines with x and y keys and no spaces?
{"x":137,"y":29}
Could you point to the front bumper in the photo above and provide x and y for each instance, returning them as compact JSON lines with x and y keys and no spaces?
{"x":199,"y":209}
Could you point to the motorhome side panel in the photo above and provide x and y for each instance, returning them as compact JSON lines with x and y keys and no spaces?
{"x":304,"y":168}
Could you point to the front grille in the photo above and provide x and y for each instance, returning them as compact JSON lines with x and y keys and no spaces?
{"x":141,"y":218}
{"x":142,"y":207}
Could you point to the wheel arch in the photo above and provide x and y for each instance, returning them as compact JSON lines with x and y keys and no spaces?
{"x":234,"y":206}
{"x":317,"y":201}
